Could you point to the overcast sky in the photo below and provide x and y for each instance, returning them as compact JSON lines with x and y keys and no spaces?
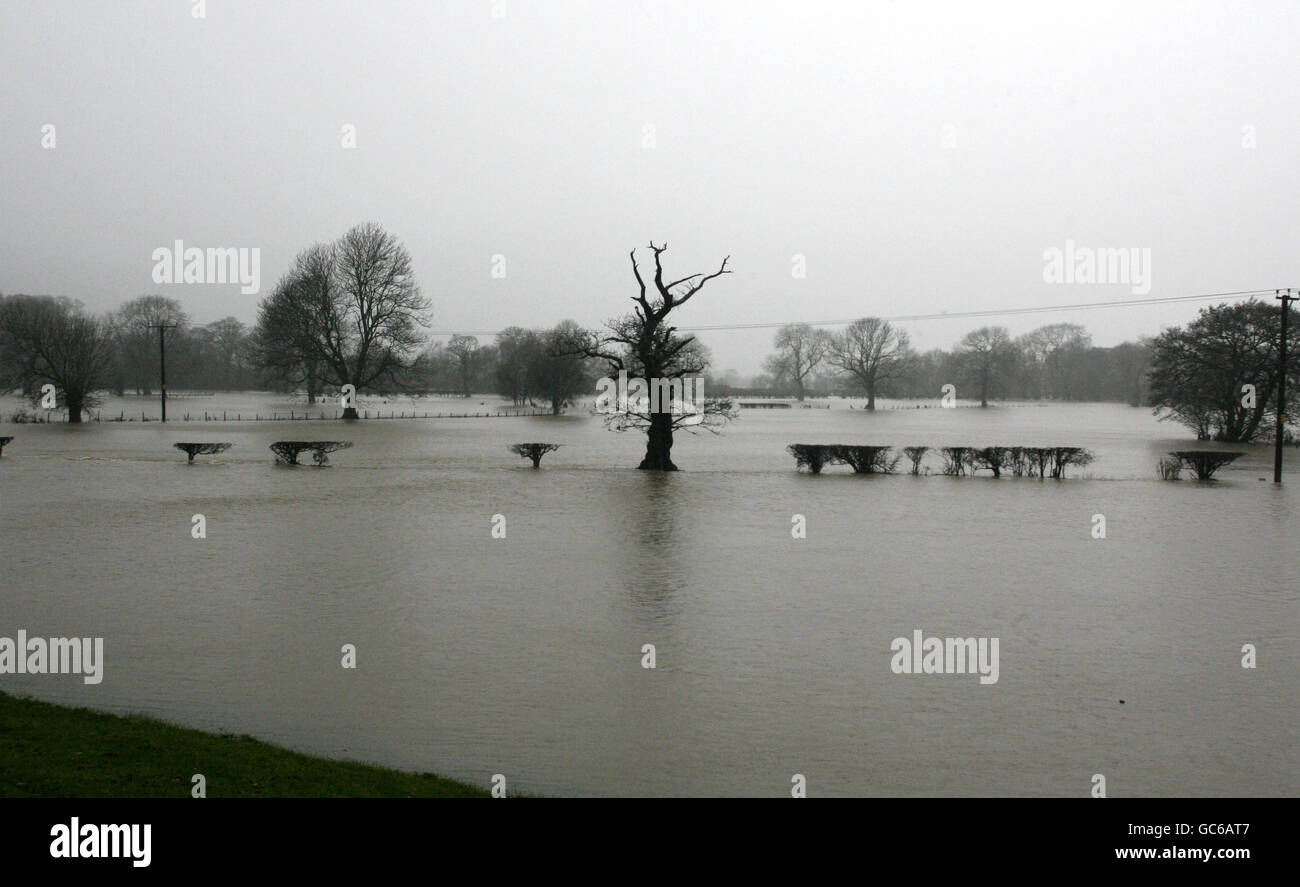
{"x":920,"y":157}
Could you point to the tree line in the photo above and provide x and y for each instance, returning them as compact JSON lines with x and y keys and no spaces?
{"x":874,"y":358}
{"x":350,"y":313}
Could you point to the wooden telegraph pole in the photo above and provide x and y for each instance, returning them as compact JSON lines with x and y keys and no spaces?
{"x":1285,"y":297}
{"x":162,"y":363}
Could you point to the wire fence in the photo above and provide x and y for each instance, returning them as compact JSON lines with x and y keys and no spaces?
{"x":322,"y":415}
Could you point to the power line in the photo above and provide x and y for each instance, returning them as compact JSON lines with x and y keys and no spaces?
{"x":942,"y":315}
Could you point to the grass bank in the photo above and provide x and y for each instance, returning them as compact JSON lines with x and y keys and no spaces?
{"x":53,"y":751}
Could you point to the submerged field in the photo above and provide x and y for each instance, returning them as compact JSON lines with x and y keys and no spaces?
{"x":523,"y":655}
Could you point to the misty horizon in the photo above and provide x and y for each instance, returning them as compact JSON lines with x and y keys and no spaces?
{"x":833,"y":142}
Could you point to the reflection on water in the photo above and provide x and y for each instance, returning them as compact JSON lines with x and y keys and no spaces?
{"x":651,"y":549}
{"x":523,"y":655}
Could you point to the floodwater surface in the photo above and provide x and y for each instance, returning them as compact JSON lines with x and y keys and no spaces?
{"x":523,"y":655}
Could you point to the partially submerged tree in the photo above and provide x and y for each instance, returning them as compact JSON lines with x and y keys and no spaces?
{"x":350,"y":311}
{"x":986,"y":356}
{"x":4,"y":442}
{"x":288,"y":451}
{"x":1206,"y":462}
{"x":135,"y":327}
{"x":202,"y":449}
{"x":645,"y":345}
{"x":1037,"y":459}
{"x":229,"y":341}
{"x":48,"y":341}
{"x":1046,"y":351}
{"x":533,"y":451}
{"x":1064,"y":457}
{"x":555,"y":374}
{"x":1200,"y":374}
{"x":992,"y":458}
{"x":517,"y":348}
{"x":956,"y":460}
{"x":867,"y":459}
{"x":871,"y":352}
{"x":800,"y":350}
{"x":465,"y":351}
{"x":915,"y":455}
{"x":814,"y":457}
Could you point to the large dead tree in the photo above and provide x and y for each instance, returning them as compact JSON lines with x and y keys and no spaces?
{"x":645,"y":345}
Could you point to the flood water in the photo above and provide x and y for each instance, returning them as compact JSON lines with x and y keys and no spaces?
{"x":523,"y":655}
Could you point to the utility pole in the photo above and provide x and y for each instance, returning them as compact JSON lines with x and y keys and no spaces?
{"x":162,"y":364}
{"x":1285,"y":297}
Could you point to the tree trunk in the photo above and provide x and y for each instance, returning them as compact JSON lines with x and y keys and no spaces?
{"x":659,"y":444}
{"x":350,"y":413}
{"x":537,"y":461}
{"x":798,"y":387}
{"x":74,"y":408}
{"x":871,"y":398}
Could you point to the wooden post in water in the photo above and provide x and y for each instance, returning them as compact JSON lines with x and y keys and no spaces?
{"x":1286,"y":299}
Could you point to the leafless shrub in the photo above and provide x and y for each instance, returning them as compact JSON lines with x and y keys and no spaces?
{"x":866,"y":459}
{"x":202,"y":449}
{"x":915,"y":454}
{"x":812,"y":456}
{"x":1206,"y":462}
{"x":956,"y":460}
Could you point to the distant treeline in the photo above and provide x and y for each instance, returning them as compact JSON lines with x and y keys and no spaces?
{"x":1055,"y":362}
{"x":873,"y":358}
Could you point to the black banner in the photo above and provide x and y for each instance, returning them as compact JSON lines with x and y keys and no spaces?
{"x":307,"y":836}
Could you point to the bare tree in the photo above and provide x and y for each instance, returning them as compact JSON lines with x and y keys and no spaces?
{"x":644,"y":344}
{"x":986,"y":355}
{"x":1044,"y":351}
{"x":134,"y":325}
{"x":229,"y":337}
{"x":814,"y":456}
{"x":871,"y":351}
{"x":465,"y":351}
{"x":915,"y":454}
{"x":556,"y":374}
{"x":516,"y":349}
{"x":800,"y":349}
{"x":350,"y":310}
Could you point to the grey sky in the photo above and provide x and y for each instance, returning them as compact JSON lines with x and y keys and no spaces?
{"x":920,"y":156}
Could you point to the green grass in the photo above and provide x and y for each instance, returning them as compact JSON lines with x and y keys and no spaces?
{"x":51,"y":751}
